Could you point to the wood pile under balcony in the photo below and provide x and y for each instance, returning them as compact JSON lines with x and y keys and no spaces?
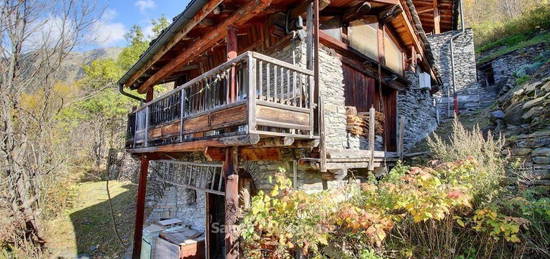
{"x":358,"y":122}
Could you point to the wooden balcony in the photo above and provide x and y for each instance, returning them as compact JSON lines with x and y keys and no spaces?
{"x":245,"y":99}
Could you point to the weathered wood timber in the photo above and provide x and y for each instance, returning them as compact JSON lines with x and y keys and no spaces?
{"x":242,"y":15}
{"x":140,"y":206}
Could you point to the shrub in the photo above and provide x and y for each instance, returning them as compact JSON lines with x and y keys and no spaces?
{"x":344,"y":222}
{"x":463,"y":144}
{"x":456,"y":208}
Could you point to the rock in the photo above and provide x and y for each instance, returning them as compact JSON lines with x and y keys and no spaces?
{"x":513,"y":114}
{"x":497,"y":115}
{"x":534,"y":102}
{"x":546,"y":87}
{"x":521,"y":151}
{"x":533,"y":111}
{"x":541,"y":160}
{"x":544,"y":151}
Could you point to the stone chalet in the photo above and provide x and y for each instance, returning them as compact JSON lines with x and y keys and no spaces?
{"x":318,"y":88}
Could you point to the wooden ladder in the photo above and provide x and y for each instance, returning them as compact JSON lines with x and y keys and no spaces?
{"x":205,"y":177}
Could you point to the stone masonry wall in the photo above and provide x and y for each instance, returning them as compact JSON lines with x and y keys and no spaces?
{"x":471,"y":96}
{"x":415,"y":104}
{"x":417,"y":107}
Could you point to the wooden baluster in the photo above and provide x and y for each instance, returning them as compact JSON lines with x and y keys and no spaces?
{"x":288,"y":97}
{"x":182,"y":112}
{"x":260,"y":79}
{"x":268,"y":73}
{"x":276,"y":84}
{"x":280,"y":86}
{"x":147,"y":126}
{"x":294,"y":101}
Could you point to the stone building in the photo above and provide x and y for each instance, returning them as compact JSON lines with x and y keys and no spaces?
{"x":309,"y":89}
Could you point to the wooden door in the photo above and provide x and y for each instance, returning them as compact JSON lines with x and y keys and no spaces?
{"x":359,"y":89}
{"x":364,"y":92}
{"x":215,"y":217}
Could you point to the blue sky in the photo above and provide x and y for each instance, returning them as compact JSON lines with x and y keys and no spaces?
{"x":119,"y":16}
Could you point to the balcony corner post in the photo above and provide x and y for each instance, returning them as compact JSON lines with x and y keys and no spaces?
{"x":251,"y":93}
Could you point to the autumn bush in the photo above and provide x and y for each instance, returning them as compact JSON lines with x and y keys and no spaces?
{"x":458,"y":207}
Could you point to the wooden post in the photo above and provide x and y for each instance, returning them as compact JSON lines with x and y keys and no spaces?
{"x":380,"y":37}
{"x":231,"y":42}
{"x":322,"y":145}
{"x":437,"y":18}
{"x":150,"y":94}
{"x":372,"y":121}
{"x":140,"y":207}
{"x":400,"y":140}
{"x":252,"y":92}
{"x":230,"y":167}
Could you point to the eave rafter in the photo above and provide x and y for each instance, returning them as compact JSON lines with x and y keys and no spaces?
{"x":239,"y":17}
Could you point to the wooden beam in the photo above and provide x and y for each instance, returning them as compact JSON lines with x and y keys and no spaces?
{"x":231,"y":44}
{"x":241,"y":16}
{"x":200,"y":145}
{"x":205,"y":11}
{"x":425,"y":10}
{"x":437,"y":18}
{"x":357,"y":11}
{"x":380,"y":35}
{"x":245,"y":154}
{"x":140,"y":207}
{"x":230,"y":168}
{"x":302,"y":7}
{"x":372,"y":139}
{"x":150,"y":94}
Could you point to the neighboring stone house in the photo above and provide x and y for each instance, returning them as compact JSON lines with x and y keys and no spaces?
{"x":310,"y":89}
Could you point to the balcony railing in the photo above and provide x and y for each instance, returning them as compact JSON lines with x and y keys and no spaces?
{"x":265,"y":96}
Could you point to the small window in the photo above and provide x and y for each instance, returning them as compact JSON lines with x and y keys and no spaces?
{"x":364,"y":38}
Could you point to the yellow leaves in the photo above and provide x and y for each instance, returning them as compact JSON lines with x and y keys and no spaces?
{"x":64,"y":90}
{"x":497,"y":225}
{"x":31,"y":102}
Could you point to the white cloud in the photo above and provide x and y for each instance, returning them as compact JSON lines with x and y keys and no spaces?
{"x":143,"y":5}
{"x":148,"y":31}
{"x":104,"y":32}
{"x":50,"y":31}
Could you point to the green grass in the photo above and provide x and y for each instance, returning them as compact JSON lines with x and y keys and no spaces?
{"x":523,"y":79}
{"x":515,"y":44}
{"x":87,"y":227}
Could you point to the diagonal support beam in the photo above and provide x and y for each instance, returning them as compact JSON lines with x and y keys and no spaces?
{"x":199,"y":17}
{"x":248,"y":11}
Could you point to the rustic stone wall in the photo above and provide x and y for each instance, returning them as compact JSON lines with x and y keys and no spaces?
{"x":471,"y":96}
{"x":331,"y":84}
{"x":519,"y":63}
{"x":417,"y":107}
{"x":166,"y":201}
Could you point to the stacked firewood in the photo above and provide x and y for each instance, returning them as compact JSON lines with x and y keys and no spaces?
{"x":358,"y":122}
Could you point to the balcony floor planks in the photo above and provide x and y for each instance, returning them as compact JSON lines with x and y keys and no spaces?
{"x":201,"y":145}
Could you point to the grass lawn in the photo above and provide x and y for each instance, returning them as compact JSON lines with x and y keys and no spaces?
{"x":87,"y":228}
{"x":512,"y":43}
